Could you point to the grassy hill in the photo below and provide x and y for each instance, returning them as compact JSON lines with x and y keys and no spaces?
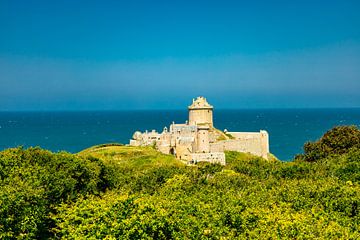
{"x":112,"y":191}
{"x":136,"y":157}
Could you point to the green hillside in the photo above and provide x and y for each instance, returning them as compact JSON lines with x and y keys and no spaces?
{"x":121,"y":192}
{"x":138,"y":158}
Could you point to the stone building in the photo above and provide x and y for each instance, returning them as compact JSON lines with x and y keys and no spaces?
{"x":197,"y":140}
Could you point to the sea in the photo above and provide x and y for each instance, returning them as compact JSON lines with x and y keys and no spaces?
{"x":288,"y":129}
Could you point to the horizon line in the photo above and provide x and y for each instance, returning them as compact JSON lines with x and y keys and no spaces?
{"x":176,"y":109}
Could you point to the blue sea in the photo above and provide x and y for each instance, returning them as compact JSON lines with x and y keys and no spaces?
{"x":288,"y":129}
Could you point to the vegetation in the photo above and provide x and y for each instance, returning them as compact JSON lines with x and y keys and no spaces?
{"x":229,"y":136}
{"x":34,"y":181}
{"x":338,"y":140}
{"x":120,"y":192}
{"x":222,"y":135}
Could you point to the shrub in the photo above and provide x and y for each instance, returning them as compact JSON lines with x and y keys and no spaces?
{"x":338,"y":140}
{"x":34,"y":180}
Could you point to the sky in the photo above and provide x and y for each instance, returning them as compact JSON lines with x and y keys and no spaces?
{"x":117,"y":55}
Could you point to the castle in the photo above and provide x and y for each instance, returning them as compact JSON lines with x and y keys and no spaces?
{"x":197,"y":140}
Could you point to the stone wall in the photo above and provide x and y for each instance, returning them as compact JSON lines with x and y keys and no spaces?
{"x":254,"y":143}
{"x":213,"y":157}
{"x":163,"y":147}
{"x":184,"y":151}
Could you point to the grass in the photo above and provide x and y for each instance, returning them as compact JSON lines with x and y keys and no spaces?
{"x":222,"y":136}
{"x":229,"y":136}
{"x":130,"y":156}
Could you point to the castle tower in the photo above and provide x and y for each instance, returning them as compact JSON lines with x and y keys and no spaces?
{"x":201,"y":112}
{"x":203,"y":145}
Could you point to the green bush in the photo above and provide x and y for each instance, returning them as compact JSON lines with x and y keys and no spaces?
{"x":33,"y":181}
{"x":338,"y":140}
{"x":349,"y":167}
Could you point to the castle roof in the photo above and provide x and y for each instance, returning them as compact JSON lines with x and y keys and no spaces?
{"x":200,"y":103}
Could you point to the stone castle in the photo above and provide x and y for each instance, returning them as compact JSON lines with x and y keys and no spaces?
{"x":197,"y":140}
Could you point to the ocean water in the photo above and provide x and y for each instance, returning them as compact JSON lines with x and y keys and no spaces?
{"x":288,"y":129}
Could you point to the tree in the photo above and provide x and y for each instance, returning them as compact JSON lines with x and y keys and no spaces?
{"x":338,"y":140}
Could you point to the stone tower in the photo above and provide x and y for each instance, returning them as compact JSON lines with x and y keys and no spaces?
{"x":201,"y":112}
{"x":203,"y":145}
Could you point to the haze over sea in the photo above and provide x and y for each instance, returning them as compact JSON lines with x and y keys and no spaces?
{"x":289,"y":129}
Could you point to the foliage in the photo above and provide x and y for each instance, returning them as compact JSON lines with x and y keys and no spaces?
{"x":108,"y":145}
{"x":221,"y":135}
{"x":208,"y":202}
{"x":248,"y":198}
{"x":338,"y":140}
{"x":135,"y":169}
{"x":33,"y":181}
{"x":229,"y":136}
{"x":121,"y":192}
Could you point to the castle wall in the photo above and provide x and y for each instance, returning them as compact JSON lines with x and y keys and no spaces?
{"x":135,"y":143}
{"x":213,"y":157}
{"x":254,"y":143}
{"x":163,"y":145}
{"x":163,"y":148}
{"x":183,"y":151}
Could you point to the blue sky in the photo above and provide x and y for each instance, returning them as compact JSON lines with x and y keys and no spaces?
{"x":108,"y":55}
